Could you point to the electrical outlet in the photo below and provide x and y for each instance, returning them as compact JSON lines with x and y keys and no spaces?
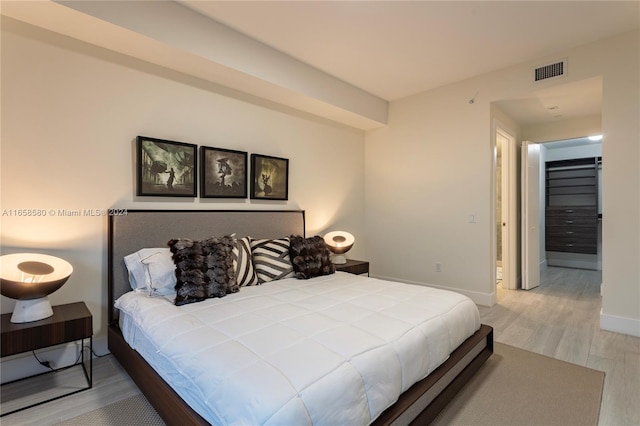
{"x":438,"y":267}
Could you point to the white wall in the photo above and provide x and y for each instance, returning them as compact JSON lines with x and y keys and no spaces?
{"x":70,"y":115}
{"x":431,"y":167}
{"x":563,"y":129}
{"x":427,"y":171}
{"x":582,"y":151}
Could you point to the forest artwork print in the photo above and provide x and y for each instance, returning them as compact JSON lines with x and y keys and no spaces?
{"x":224,"y":173}
{"x":269,"y":177}
{"x":166,"y":168}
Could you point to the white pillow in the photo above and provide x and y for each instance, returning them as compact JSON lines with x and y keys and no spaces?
{"x":152,"y":270}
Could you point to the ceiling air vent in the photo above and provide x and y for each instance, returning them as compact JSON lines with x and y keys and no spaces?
{"x":545,"y":72}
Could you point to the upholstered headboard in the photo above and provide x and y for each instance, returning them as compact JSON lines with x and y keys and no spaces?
{"x":153,"y":228}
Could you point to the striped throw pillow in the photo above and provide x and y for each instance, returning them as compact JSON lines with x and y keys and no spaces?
{"x":271,"y":259}
{"x":243,"y":263}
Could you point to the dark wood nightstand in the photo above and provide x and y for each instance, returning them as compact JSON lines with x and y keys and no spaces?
{"x":70,"y":323}
{"x":357,"y":267}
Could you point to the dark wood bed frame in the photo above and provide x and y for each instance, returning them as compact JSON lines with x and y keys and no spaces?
{"x":153,"y":228}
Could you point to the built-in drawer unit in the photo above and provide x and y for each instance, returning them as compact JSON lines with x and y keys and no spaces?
{"x":572,"y":229}
{"x":572,"y":205}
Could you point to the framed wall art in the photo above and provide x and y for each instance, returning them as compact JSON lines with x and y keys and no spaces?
{"x":223,"y":173}
{"x":166,"y":168}
{"x":269,"y":177}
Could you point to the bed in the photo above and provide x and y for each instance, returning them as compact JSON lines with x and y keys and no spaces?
{"x":342,"y":364}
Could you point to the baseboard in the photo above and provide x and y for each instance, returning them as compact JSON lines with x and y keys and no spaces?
{"x":572,"y":260}
{"x":630,"y":326}
{"x":483,"y":299}
{"x":23,"y":365}
{"x":544,"y":265}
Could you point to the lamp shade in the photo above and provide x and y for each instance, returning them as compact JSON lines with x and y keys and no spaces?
{"x":339,"y":242}
{"x":30,"y":278}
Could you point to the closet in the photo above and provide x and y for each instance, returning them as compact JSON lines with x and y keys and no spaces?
{"x":572,"y":205}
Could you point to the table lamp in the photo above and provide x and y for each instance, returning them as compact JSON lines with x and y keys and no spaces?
{"x":339,"y":242}
{"x":30,"y":278}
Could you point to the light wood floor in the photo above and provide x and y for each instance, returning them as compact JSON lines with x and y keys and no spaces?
{"x":559,"y":319}
{"x":110,"y":384}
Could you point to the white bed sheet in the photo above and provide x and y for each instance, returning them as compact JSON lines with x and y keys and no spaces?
{"x":337,"y":349}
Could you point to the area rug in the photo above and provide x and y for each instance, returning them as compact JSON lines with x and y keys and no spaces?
{"x":517,"y":387}
{"x":514,"y":387}
{"x":132,"y":411}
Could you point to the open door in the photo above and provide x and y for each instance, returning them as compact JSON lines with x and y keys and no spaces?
{"x":509,"y":208}
{"x":530,"y":208}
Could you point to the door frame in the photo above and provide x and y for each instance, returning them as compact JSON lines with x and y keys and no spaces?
{"x":510,"y":196}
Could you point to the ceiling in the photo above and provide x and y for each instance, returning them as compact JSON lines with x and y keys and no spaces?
{"x":394,"y":49}
{"x":342,"y":60}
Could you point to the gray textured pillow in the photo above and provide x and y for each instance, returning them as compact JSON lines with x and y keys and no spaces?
{"x":204,"y":268}
{"x":310,"y":257}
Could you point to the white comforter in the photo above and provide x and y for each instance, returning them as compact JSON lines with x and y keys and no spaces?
{"x":333,"y":350}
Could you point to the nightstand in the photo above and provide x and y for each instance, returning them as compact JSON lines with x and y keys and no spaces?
{"x":70,"y":323}
{"x":357,"y":267}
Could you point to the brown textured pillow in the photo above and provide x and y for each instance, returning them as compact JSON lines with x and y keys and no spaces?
{"x":204,"y":268}
{"x":310,"y":257}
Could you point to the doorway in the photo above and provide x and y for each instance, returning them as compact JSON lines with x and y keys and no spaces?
{"x":509,"y":267}
{"x":574,"y":197}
